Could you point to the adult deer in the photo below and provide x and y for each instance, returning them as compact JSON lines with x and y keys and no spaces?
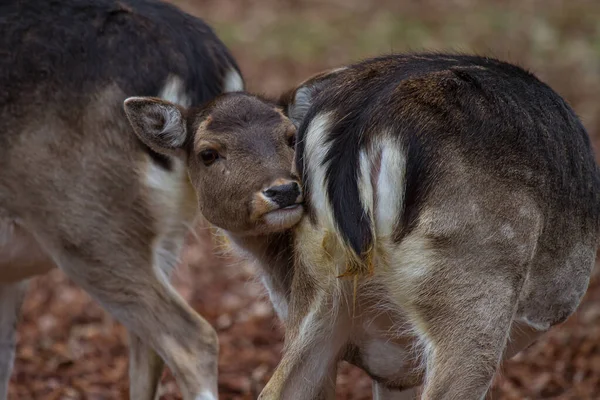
{"x":452,"y":215}
{"x":79,"y":191}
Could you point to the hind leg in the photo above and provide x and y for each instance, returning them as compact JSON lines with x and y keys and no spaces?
{"x":115,"y":261}
{"x":145,"y":369}
{"x":11,"y":299}
{"x":464,"y":325}
{"x":461,"y":295}
{"x":316,"y":332}
{"x":145,"y":365}
{"x":155,"y":313}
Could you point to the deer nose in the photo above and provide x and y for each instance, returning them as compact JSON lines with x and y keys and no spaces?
{"x":283,"y":195}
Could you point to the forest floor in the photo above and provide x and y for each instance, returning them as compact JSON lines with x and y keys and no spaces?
{"x":69,"y":348}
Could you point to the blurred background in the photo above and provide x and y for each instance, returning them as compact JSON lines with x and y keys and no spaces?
{"x":70,"y":349}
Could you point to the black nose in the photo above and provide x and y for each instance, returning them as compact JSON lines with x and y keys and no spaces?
{"x":283,"y":195}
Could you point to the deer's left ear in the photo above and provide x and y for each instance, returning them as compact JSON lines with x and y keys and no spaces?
{"x":296,"y":102}
{"x":158,"y":123}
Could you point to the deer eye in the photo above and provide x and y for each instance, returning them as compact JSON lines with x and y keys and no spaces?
{"x":209,"y":156}
{"x":291,"y":141}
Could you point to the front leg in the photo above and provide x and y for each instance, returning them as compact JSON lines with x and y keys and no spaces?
{"x":327,"y":391}
{"x":316,"y":332}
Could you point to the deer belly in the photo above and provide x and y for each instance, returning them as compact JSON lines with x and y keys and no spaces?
{"x":385,"y":359}
{"x":386,"y":354}
{"x":21,"y":256}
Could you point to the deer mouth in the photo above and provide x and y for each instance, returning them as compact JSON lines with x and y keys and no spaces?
{"x":285,"y":217}
{"x":276,"y":213}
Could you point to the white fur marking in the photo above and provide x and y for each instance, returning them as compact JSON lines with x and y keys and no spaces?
{"x":167,"y":183}
{"x":309,"y":323}
{"x":168,"y":197}
{"x":315,"y":152}
{"x":365,"y":187}
{"x":278,"y":301}
{"x":174,"y":92}
{"x":233,"y":82}
{"x":390,"y":185}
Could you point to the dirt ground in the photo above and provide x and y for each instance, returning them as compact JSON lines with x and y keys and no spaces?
{"x":68,"y":348}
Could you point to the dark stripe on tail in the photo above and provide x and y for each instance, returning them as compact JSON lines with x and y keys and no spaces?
{"x":343,"y":166}
{"x":352,"y":224}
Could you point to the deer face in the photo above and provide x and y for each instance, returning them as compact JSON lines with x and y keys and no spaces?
{"x":239,"y":153}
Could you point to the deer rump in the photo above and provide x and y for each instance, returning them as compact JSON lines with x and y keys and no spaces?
{"x":462,"y":195}
{"x":402,"y":141}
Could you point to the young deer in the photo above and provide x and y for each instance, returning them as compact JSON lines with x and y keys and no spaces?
{"x":79,"y":191}
{"x":452,"y":215}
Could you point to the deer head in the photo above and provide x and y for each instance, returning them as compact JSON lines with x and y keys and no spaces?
{"x":239,"y":150}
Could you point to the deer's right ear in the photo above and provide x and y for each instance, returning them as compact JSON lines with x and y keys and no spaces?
{"x":297,"y":101}
{"x":158,"y":123}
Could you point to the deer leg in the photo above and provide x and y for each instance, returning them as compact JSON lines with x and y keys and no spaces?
{"x":461,"y":296}
{"x":154,"y":312}
{"x":315,"y":335}
{"x":145,"y":369}
{"x":380,"y":392}
{"x":145,"y":365}
{"x":467,"y":323}
{"x":11,"y":299}
{"x":327,"y":391}
{"x":121,"y":272}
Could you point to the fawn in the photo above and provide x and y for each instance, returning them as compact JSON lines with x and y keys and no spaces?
{"x":102,"y":206}
{"x":441,"y":213}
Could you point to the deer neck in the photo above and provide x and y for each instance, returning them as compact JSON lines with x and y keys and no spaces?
{"x":274,"y":256}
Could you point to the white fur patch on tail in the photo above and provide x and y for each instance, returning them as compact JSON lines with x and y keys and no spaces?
{"x":315,"y":151}
{"x":365,"y":187}
{"x":390,"y":185}
{"x":174,"y":92}
{"x":233,"y":81}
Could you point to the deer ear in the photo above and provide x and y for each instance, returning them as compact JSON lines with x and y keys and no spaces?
{"x":158,"y":123}
{"x":298,"y":101}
